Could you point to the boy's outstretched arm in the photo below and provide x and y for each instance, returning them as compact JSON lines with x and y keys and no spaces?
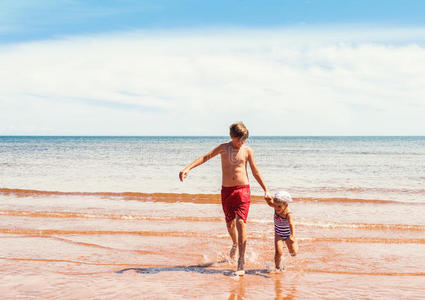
{"x":199,"y":161}
{"x":257,"y":175}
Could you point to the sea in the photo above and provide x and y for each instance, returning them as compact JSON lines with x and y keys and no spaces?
{"x":106,"y":217}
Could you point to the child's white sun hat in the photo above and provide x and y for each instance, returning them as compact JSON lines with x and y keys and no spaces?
{"x":283,"y":196}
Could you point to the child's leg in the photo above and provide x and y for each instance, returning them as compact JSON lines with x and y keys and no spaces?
{"x":240,"y":225}
{"x":292,"y":246}
{"x":231,"y":229}
{"x":278,"y":246}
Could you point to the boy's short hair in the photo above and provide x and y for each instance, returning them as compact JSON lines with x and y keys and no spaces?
{"x":239,"y":130}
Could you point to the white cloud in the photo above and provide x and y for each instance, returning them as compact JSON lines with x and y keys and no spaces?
{"x":280,"y":82}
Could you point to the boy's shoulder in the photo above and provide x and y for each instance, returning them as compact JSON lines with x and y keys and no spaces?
{"x":247,"y":148}
{"x":222,"y":147}
{"x":249,"y":151}
{"x":229,"y":144}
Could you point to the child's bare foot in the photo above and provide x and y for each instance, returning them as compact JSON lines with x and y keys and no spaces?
{"x":233,"y":251}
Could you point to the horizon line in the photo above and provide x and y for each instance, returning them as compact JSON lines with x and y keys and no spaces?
{"x":211,"y":136}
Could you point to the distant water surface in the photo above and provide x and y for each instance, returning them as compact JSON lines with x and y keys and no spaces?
{"x":386,"y":168}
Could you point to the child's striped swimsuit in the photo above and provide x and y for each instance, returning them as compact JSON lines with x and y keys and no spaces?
{"x":281,"y":226}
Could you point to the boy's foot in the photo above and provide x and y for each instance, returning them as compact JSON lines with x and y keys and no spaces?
{"x":277,"y":271}
{"x":241,"y":267}
{"x":232,"y":253}
{"x":281,"y":269}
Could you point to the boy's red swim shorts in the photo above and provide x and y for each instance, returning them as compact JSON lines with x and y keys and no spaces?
{"x":235,"y":200}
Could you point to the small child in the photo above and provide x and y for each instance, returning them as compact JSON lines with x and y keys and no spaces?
{"x":283,"y":228}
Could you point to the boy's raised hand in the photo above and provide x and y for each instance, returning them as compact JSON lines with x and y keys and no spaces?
{"x":183,"y":174}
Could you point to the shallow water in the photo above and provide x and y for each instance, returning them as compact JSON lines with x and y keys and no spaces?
{"x":157,"y":247}
{"x":106,"y":217}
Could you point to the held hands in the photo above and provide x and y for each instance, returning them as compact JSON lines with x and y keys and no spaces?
{"x":183,"y":174}
{"x":267,"y":195}
{"x":268,"y":198}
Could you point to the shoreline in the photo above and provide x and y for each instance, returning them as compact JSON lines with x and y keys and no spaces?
{"x":198,"y":198}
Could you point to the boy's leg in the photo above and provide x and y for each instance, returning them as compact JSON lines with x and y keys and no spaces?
{"x":292,"y":246}
{"x":240,"y":225}
{"x":278,"y":246}
{"x":231,"y":229}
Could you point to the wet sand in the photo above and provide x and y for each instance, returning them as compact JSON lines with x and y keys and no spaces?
{"x":174,"y":246}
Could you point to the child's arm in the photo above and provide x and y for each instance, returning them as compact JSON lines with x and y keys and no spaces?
{"x":291,"y":225}
{"x":257,"y":175}
{"x":199,"y":161}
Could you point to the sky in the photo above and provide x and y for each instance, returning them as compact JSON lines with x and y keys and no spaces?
{"x":283,"y":67}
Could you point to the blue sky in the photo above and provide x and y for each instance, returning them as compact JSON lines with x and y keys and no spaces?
{"x":192,"y":67}
{"x":35,"y":19}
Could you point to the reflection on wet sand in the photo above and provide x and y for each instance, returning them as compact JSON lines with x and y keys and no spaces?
{"x":288,"y":291}
{"x":282,"y":291}
{"x":238,"y":290}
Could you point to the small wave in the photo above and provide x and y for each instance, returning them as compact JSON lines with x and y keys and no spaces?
{"x":368,"y":240}
{"x":75,"y":215}
{"x":173,"y":268}
{"x":148,"y":197}
{"x":55,"y":232}
{"x":65,"y":261}
{"x":185,"y":198}
{"x":363,"y":273}
{"x":366,"y":226}
{"x":92,"y":245}
{"x":330,"y":225}
{"x":50,"y":232}
{"x":410,"y":191}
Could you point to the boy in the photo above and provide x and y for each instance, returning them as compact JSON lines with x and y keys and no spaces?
{"x":235,"y":192}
